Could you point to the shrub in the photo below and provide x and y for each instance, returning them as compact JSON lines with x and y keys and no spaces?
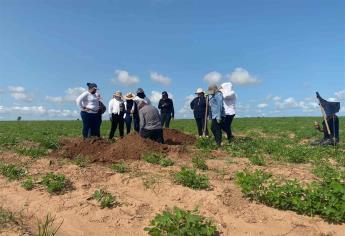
{"x":324,"y":198}
{"x":257,"y":160}
{"x":189,"y":178}
{"x":119,"y":167}
{"x":157,"y":159}
{"x":105,"y":198}
{"x":12,"y":172}
{"x":28,"y":184}
{"x":199,"y":163}
{"x":54,"y":183}
{"x":181,"y":222}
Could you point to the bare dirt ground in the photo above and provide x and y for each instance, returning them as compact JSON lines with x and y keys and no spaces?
{"x":147,"y":190}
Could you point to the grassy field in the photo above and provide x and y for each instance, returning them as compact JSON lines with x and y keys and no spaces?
{"x":273,"y":151}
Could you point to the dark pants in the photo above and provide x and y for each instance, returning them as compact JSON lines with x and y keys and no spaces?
{"x":128,"y":121}
{"x":226,"y":126}
{"x":166,"y":117}
{"x":136,"y":123}
{"x":217,"y":131}
{"x":90,"y":123}
{"x":117,"y":119}
{"x":200,"y":122}
{"x":333,"y":124}
{"x":98,"y":126}
{"x":155,"y":135}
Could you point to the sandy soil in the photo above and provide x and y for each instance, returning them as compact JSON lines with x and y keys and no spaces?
{"x":147,"y":190}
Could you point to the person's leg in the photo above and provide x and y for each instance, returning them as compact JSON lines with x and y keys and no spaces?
{"x":217,"y":132}
{"x":167,"y":120}
{"x":199,"y":125}
{"x":226,"y":126}
{"x":230,"y":130}
{"x":159,"y":136}
{"x":163,"y":117}
{"x":128,"y":121}
{"x":121,"y":125}
{"x":86,"y":123}
{"x":94,"y":122}
{"x":136,"y":124}
{"x":113,"y":127}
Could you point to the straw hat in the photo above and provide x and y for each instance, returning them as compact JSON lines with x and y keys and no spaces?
{"x":129,"y":96}
{"x":199,"y":90}
{"x":118,"y":94}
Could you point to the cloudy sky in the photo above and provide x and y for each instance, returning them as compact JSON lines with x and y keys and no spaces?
{"x":277,"y":53}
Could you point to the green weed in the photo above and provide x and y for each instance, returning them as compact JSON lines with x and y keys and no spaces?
{"x":12,"y":172}
{"x":55,"y":183}
{"x":257,"y":160}
{"x":181,"y":222}
{"x":199,"y":163}
{"x":81,"y":160}
{"x":28,"y":184}
{"x":157,"y":159}
{"x":105,"y":199}
{"x":189,"y":178}
{"x":6,"y":217}
{"x":46,"y":227}
{"x":120,"y":167}
{"x":33,"y":152}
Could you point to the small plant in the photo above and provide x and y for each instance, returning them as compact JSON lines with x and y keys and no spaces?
{"x":105,"y":198}
{"x":6,"y":217}
{"x":189,"y":178}
{"x":257,"y":160}
{"x":54,"y":183}
{"x":81,"y":160}
{"x":34,"y":152}
{"x":46,"y":227}
{"x":119,"y":167}
{"x":199,"y":163}
{"x":157,"y":159}
{"x":12,"y":172}
{"x":181,"y":222}
{"x":28,"y":184}
{"x":206,"y":144}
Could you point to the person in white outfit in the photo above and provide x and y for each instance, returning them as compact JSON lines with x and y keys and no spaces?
{"x":116,"y":113}
{"x":89,"y":106}
{"x":229,"y":103}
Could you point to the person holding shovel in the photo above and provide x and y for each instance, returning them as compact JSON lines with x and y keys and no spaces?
{"x":198,"y":105}
{"x":217,"y":113}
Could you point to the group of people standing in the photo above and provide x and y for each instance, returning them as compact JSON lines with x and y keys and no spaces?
{"x":218,"y":105}
{"x":123,"y":111}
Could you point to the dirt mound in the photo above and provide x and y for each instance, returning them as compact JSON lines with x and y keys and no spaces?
{"x":175,"y":137}
{"x":130,"y":147}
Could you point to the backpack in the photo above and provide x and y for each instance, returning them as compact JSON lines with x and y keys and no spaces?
{"x":101,"y":108}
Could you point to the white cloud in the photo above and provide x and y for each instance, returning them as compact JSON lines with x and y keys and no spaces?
{"x":161,"y":79}
{"x":156,"y":96}
{"x":332,"y":99}
{"x":71,"y":95}
{"x":20,"y":94}
{"x":262,"y":105}
{"x":340,"y":95}
{"x":185,"y":111}
{"x":213,"y":77}
{"x":307,"y":104}
{"x":241,"y":76}
{"x":124,"y":78}
{"x":276,"y":98}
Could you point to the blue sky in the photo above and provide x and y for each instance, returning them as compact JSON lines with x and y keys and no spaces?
{"x":277,"y":53}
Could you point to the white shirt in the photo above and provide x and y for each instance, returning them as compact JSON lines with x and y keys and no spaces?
{"x":114,"y":106}
{"x":229,"y":99}
{"x":88,"y":101}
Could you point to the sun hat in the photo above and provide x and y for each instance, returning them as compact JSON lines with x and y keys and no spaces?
{"x":91,"y":85}
{"x":212,"y":89}
{"x":129,"y":96}
{"x":199,"y":90}
{"x":117,"y":94}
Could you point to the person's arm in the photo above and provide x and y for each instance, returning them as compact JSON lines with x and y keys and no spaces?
{"x":172,"y":109}
{"x":160,"y":104}
{"x":142,"y":119}
{"x":148,"y":101}
{"x":80,"y":99}
{"x":192,"y":104}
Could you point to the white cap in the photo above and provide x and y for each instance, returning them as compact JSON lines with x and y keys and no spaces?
{"x":199,"y":90}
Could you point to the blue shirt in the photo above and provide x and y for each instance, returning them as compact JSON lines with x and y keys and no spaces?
{"x":216,"y":105}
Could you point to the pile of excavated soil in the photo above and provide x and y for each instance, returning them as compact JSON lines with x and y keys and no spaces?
{"x":130,"y":147}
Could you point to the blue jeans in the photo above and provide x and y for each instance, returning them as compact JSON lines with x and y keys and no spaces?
{"x":90,"y":123}
{"x":128,"y":121}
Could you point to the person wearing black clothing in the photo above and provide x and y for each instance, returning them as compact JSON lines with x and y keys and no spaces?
{"x":129,"y":110}
{"x":328,"y":139}
{"x":167,"y":109}
{"x":198,"y":105}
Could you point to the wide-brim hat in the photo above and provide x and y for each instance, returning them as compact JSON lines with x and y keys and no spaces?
{"x":129,"y":96}
{"x":117,"y":94}
{"x":199,"y":90}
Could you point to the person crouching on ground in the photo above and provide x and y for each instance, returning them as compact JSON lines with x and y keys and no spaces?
{"x":136,"y":121}
{"x":129,"y":110}
{"x":198,"y":105}
{"x":167,"y":109}
{"x":89,"y":106}
{"x":328,"y":139}
{"x":150,"y":122}
{"x":116,"y":113}
{"x":229,"y":102}
{"x":217,"y":113}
